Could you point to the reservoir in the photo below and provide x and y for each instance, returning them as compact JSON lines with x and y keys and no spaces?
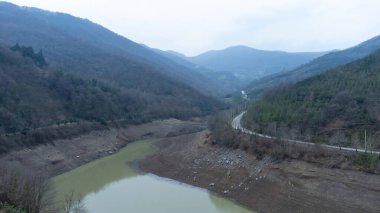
{"x":112,"y":184}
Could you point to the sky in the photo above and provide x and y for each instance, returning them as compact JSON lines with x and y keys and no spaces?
{"x":195,"y":26}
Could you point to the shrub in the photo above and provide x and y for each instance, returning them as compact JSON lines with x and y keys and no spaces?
{"x":10,"y":209}
{"x":367,"y":161}
{"x":24,"y":190}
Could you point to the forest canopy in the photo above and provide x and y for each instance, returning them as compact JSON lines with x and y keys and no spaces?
{"x":336,"y":107}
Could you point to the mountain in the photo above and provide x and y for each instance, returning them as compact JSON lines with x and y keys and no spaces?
{"x":248,"y":63}
{"x":33,"y":94}
{"x":334,"y":107}
{"x":180,"y":55}
{"x":316,"y":66}
{"x":227,"y":81}
{"x":88,"y":49}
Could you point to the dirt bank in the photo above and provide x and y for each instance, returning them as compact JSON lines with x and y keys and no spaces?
{"x":66,"y":154}
{"x":264,"y":185}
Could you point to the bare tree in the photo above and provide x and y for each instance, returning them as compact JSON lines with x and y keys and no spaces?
{"x":294,"y":132}
{"x":370,"y":143}
{"x":355,"y":140}
{"x":73,"y":204}
{"x":272,"y":129}
{"x":338,"y":139}
{"x":25,"y":189}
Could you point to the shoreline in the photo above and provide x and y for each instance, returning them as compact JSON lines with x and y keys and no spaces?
{"x":64,"y":155}
{"x":263,"y":185}
{"x":184,"y":154}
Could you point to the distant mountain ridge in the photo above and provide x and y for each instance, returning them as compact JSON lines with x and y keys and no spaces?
{"x":228,"y":81}
{"x":248,"y":63}
{"x":81,"y":45}
{"x":316,"y":66}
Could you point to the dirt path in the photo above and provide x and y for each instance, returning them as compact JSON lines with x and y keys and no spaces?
{"x":264,"y":186}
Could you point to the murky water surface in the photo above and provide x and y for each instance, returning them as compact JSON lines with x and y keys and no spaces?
{"x":111,"y":184}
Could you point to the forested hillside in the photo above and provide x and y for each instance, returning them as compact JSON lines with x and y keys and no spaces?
{"x":336,"y":107}
{"x":90,"y":50}
{"x":315,"y":67}
{"x":33,"y":94}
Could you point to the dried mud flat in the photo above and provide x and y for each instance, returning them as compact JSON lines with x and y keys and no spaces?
{"x":264,"y":186}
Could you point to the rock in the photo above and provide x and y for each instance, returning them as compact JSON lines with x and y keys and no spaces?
{"x":212,"y":184}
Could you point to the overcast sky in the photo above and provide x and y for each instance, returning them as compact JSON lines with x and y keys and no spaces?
{"x":195,"y":26}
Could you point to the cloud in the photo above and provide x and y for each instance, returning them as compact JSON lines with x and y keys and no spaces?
{"x":195,"y":26}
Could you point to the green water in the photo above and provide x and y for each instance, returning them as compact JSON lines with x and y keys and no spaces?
{"x":111,"y":184}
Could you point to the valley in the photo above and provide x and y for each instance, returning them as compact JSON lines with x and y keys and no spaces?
{"x":219,"y":107}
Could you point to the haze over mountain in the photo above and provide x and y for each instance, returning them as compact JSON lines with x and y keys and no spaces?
{"x":331,"y":107}
{"x":316,"y":66}
{"x":91,"y":50}
{"x":247,"y":63}
{"x":227,"y":80}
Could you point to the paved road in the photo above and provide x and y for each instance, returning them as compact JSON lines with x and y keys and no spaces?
{"x":236,"y":124}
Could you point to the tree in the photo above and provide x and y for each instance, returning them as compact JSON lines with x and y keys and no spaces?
{"x":25,"y":189}
{"x":73,"y":205}
{"x":338,"y":139}
{"x":355,"y":140}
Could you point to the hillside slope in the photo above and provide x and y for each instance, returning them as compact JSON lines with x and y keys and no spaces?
{"x":34,"y":95}
{"x":335,"y":107}
{"x":89,"y":49}
{"x":315,"y":67}
{"x":248,"y":63}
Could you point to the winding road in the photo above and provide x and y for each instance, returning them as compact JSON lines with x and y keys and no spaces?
{"x":236,"y":124}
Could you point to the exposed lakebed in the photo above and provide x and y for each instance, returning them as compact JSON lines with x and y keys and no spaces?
{"x":112,"y":184}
